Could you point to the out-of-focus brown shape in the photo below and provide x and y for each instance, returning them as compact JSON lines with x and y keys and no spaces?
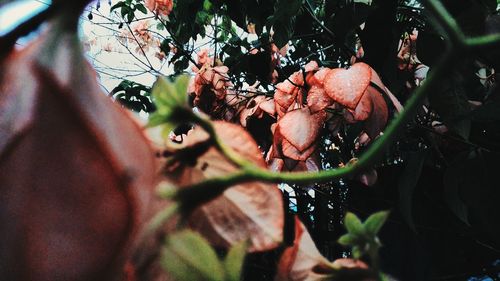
{"x":76,"y":173}
{"x":297,"y":263}
{"x":252,"y":211}
{"x":303,"y":262}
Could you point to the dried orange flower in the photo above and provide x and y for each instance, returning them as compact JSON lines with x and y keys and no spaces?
{"x":162,"y":7}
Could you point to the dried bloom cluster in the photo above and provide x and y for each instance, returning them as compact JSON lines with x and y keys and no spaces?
{"x":355,"y":94}
{"x":303,"y":104}
{"x":140,"y":36}
{"x":211,"y":83}
{"x":407,"y":55}
{"x":408,"y":60}
{"x":162,"y":7}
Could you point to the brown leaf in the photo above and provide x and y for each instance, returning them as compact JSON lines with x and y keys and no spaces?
{"x":318,"y":78}
{"x":76,"y":173}
{"x":300,"y":127}
{"x":297,"y":262}
{"x":349,"y":263}
{"x":317,"y":99}
{"x":268,"y":106}
{"x":347,"y":86}
{"x":364,"y":108}
{"x":293,"y":153}
{"x":251,"y":211}
{"x":377,"y":120}
{"x":368,"y":178}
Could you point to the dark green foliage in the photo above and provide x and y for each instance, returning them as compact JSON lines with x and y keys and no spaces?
{"x":134,"y":96}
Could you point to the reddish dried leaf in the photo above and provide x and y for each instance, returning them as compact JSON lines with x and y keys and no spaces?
{"x":311,"y":66}
{"x":311,"y":164}
{"x":317,"y":99}
{"x":291,"y":152}
{"x":76,"y":173}
{"x":276,"y":164}
{"x":268,"y":106}
{"x":347,"y":86}
{"x":349,"y":263}
{"x":364,"y":108}
{"x":300,"y":127}
{"x":319,"y":77}
{"x":368,"y":178}
{"x":379,"y":113}
{"x":251,"y":211}
{"x":298,"y":261}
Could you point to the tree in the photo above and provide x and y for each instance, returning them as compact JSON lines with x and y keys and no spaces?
{"x":314,"y":86}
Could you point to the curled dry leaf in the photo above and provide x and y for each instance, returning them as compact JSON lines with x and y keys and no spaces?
{"x":252,"y":211}
{"x":376,"y":121}
{"x":296,"y":134}
{"x":162,"y":7}
{"x":361,"y":90}
{"x":76,"y":173}
{"x":317,"y":99}
{"x":300,"y":127}
{"x":287,"y":92}
{"x":347,"y":86}
{"x":256,"y":107}
{"x":210,"y":85}
{"x":298,"y":262}
{"x":294,"y":140}
{"x":303,"y":262}
{"x":349,"y":263}
{"x":290,"y":92}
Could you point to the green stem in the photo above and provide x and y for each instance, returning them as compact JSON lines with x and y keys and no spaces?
{"x":485,"y":42}
{"x":160,"y":218}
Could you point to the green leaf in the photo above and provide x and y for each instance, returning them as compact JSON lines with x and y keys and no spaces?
{"x":207,"y":5}
{"x":356,"y":252}
{"x":353,"y":224}
{"x":169,"y":94}
{"x":124,"y":11}
{"x":181,"y":65}
{"x":165,"y":46}
{"x":188,"y":256}
{"x":181,"y":86}
{"x":233,"y":263}
{"x":374,"y":223}
{"x":348,"y":240}
{"x":141,"y":8}
{"x":117,"y":5}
